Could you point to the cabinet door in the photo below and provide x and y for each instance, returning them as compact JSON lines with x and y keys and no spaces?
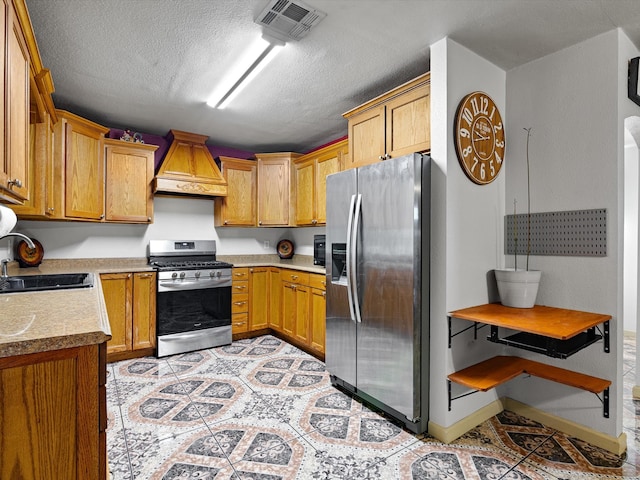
{"x":366,"y":137}
{"x":273,"y":192}
{"x":84,"y":192}
{"x":304,"y":178}
{"x":238,"y":208}
{"x":288,"y":306}
{"x":116,"y":288}
{"x":258,"y":298}
{"x":128,"y":177}
{"x":325,"y":165}
{"x":318,"y":316}
{"x":275,"y":288}
{"x":144,"y":310}
{"x":17,"y":108}
{"x":408,"y":120}
{"x":302,"y":314}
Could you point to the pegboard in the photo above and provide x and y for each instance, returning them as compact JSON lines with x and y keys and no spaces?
{"x":574,"y":233}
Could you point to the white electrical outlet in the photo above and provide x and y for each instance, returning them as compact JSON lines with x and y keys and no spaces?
{"x":265,"y":245}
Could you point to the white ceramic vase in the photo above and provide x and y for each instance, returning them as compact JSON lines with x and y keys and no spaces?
{"x":518,"y":288}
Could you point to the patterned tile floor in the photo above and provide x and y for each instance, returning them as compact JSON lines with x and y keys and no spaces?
{"x":262,"y":409}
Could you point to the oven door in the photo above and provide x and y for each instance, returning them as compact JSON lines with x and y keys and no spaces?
{"x":187,"y":308}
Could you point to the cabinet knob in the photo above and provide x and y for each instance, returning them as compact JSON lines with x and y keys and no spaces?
{"x":15,"y":182}
{"x":260,"y":222}
{"x":148,"y":219}
{"x":226,"y":222}
{"x":324,"y":294}
{"x":381,"y":157}
{"x":387,"y":156}
{"x":314,"y":221}
{"x":51,"y":209}
{"x":102,"y":217}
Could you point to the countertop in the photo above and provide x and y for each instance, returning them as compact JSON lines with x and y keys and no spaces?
{"x":33,"y":322}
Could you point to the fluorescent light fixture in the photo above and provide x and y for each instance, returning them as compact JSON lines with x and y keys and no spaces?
{"x":246,"y":69}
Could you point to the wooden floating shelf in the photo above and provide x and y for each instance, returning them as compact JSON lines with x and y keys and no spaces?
{"x":495,"y":371}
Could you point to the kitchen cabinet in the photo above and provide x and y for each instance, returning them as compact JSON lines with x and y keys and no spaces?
{"x":79,"y":168}
{"x":128,"y":181}
{"x":391,"y":125}
{"x":14,"y":139}
{"x":275,"y":289}
{"x":53,"y":414}
{"x":310,"y":179}
{"x":238,"y":208}
{"x":130,"y":299}
{"x":318,"y":313}
{"x":258,"y":298}
{"x":40,"y":171}
{"x":240,"y":300}
{"x":275,"y":189}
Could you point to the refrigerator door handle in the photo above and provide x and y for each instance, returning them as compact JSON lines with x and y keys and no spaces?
{"x":354,"y":258}
{"x":348,"y":258}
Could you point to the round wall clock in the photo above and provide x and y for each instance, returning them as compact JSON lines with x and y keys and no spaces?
{"x":479,"y":137}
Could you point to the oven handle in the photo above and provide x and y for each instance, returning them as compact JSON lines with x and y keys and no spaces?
{"x":177,"y":285}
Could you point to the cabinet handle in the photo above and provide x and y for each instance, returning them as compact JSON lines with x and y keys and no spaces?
{"x":51,"y":209}
{"x":15,"y":182}
{"x":238,"y":274}
{"x":294,"y":277}
{"x":148,"y":219}
{"x":144,"y":275}
{"x":260,"y":222}
{"x":239,"y":303}
{"x":226,"y":222}
{"x":240,"y":287}
{"x":240,"y":323}
{"x":251,"y":270}
{"x":314,"y":221}
{"x":324,"y":294}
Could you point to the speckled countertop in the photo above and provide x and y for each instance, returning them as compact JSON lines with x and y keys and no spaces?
{"x":33,"y":322}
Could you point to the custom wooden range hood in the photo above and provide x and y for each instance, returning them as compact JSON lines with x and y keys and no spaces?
{"x":188,"y":168}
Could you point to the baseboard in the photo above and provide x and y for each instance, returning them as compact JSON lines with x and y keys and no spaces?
{"x":617,"y":445}
{"x":449,"y":434}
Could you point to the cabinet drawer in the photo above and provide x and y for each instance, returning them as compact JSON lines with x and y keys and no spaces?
{"x":240,"y":273}
{"x":318,"y":281}
{"x":239,"y":303}
{"x":295,"y":276}
{"x":240,"y":286}
{"x":239,"y":322}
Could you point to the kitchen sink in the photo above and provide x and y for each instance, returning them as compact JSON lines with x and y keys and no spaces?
{"x":34,"y":283}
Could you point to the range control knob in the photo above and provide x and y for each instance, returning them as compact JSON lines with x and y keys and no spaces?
{"x":197,"y":274}
{"x":174,"y":275}
{"x":182,"y":274}
{"x":218,"y":274}
{"x":211,"y":274}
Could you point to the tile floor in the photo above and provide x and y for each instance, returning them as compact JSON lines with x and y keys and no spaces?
{"x":263,"y":409}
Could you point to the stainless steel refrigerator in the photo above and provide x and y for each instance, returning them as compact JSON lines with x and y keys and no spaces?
{"x":377,"y":264}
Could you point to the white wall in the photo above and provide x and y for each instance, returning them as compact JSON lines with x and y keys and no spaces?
{"x":467,"y":226}
{"x":630,"y":266}
{"x":175,"y":218}
{"x":572,"y":100}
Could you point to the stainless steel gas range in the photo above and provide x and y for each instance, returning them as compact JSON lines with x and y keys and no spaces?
{"x":194,"y":296}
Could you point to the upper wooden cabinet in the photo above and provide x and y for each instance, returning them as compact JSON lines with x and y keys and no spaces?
{"x":189,"y":168}
{"x":310,"y":181}
{"x":129,"y":181}
{"x":238,"y":208}
{"x":78,"y":168}
{"x":14,"y":139}
{"x":275,"y":189}
{"x":394,"y":124}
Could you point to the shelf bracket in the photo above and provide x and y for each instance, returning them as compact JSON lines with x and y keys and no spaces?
{"x":474,"y":326}
{"x":451,"y":399}
{"x":604,"y":400}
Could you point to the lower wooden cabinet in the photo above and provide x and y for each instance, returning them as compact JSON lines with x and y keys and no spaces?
{"x":290,"y":303}
{"x":53,"y":415}
{"x":258,"y":298}
{"x":130,"y":299}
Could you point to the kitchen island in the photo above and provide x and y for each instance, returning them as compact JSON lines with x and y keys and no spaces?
{"x":52,"y":382}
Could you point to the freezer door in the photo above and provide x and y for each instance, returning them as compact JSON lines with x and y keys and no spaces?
{"x":340,"y":349}
{"x":389,"y":277}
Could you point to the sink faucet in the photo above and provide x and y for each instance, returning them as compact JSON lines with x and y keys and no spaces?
{"x":30,"y":244}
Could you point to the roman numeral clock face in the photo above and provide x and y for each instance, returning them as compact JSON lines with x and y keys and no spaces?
{"x":479,"y":137}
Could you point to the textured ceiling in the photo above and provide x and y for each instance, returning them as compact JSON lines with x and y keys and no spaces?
{"x":150,"y":65}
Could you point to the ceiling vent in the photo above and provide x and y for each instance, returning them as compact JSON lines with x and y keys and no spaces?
{"x":289,"y":20}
